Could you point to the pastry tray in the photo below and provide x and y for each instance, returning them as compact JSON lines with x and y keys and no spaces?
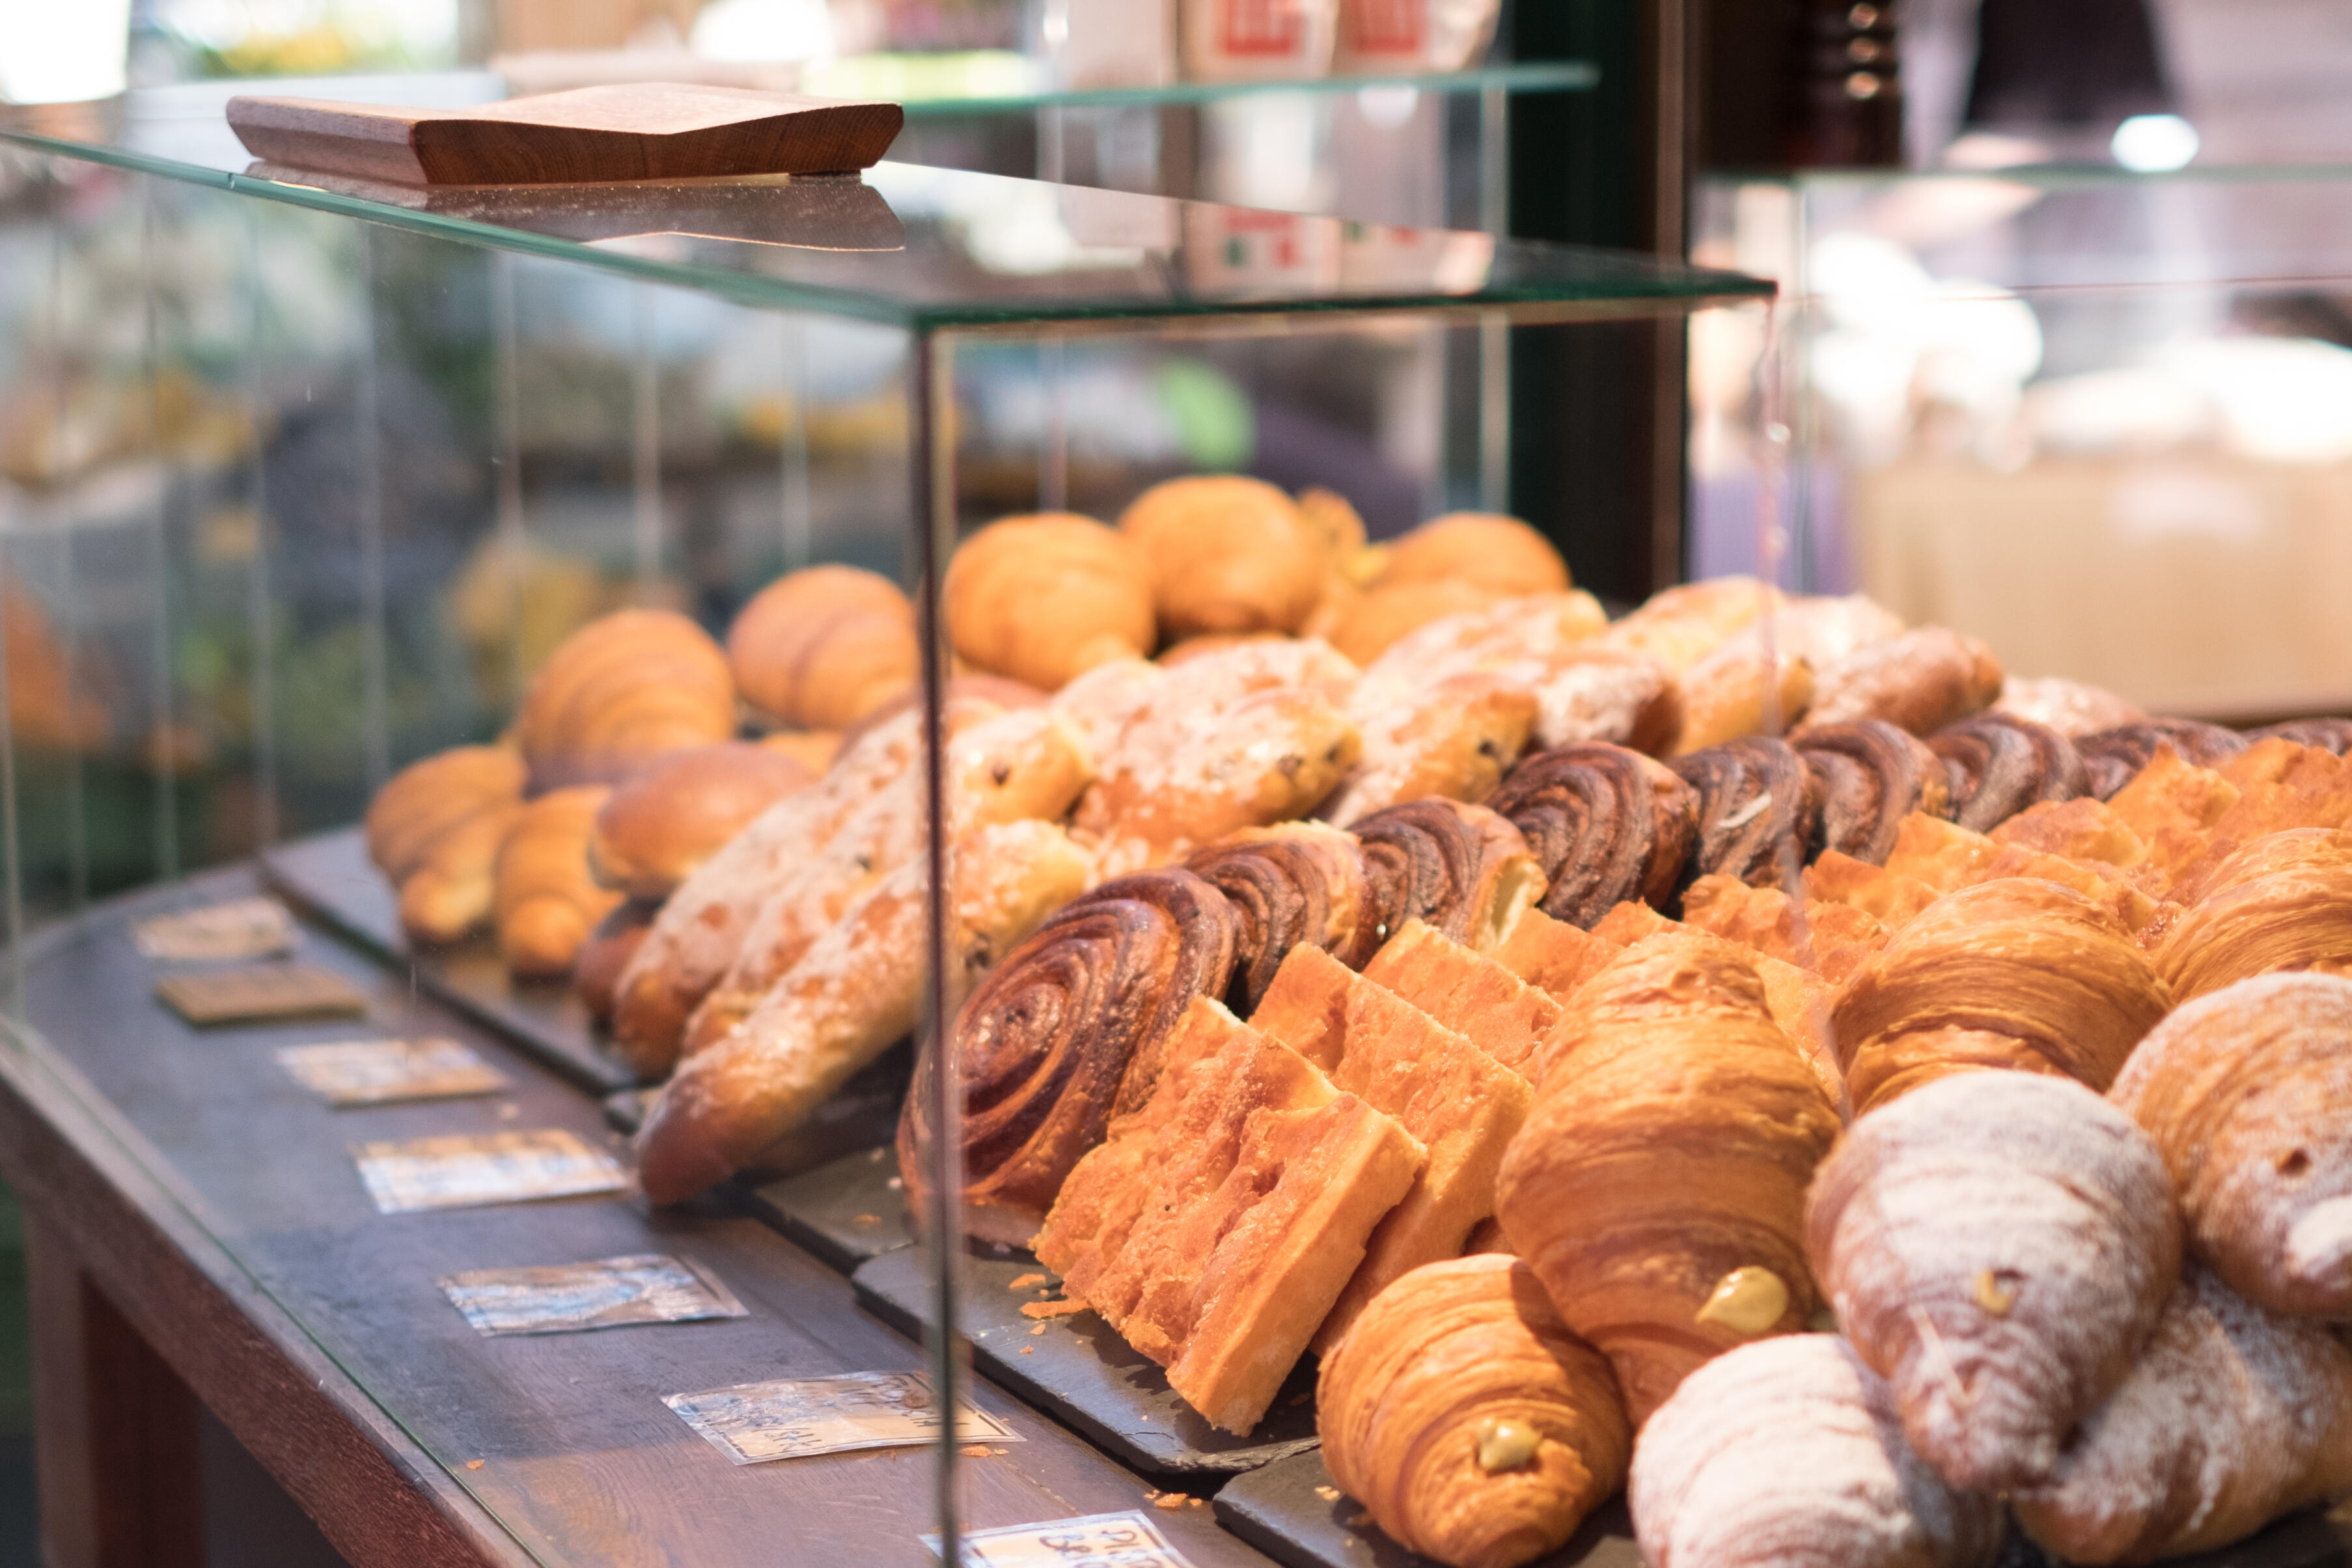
{"x":330,"y":879}
{"x":1291,"y":1511}
{"x":1077,"y":1369}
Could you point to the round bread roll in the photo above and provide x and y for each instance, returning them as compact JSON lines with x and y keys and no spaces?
{"x":620,"y":691}
{"x":1046,"y":598}
{"x":1500,"y":554}
{"x":821,"y":648}
{"x":1368,"y":622}
{"x":666,"y":819}
{"x":1227,"y":554}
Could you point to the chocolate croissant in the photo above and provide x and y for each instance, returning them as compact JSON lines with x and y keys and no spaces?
{"x":2016,"y":973}
{"x":2246,"y":1092}
{"x":1607,"y":824}
{"x":1870,"y":776}
{"x":1757,"y":802}
{"x":1998,"y":1247}
{"x":1788,"y":1452}
{"x":1475,"y":1428}
{"x":1999,"y":765}
{"x":1657,"y":1188}
{"x":1462,"y":869}
{"x":1064,"y":1034}
{"x":1291,"y":883}
{"x":2111,"y":757}
{"x":2231,"y":1417}
{"x":2281,"y":902}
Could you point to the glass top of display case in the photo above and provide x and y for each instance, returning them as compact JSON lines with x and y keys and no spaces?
{"x":933,"y":248}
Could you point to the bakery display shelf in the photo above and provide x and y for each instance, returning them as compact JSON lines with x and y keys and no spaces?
{"x":1292,"y":1512}
{"x":562,"y":1438}
{"x":1077,"y":1368}
{"x":845,"y":1213}
{"x":330,"y":879}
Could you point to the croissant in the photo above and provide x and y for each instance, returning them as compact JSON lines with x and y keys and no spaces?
{"x":2112,"y":757}
{"x":547,"y":900}
{"x":1999,"y":765}
{"x":621,"y":691}
{"x":2283,"y":784}
{"x":453,"y":891}
{"x":2070,"y":708}
{"x":1293,"y":884}
{"x":1066,"y":1032}
{"x":1757,"y":806}
{"x":424,"y":799}
{"x":1470,"y":1423}
{"x":2230,"y":1418}
{"x":1870,"y":776}
{"x":694,"y":939}
{"x":1657,"y":1188}
{"x":823,"y":647}
{"x":1227,"y":554}
{"x":1498,"y":553}
{"x":858,"y":987}
{"x":1047,"y":598}
{"x":2084,"y":829}
{"x":1606,"y":824}
{"x":1998,"y":1247}
{"x":2017,"y":973}
{"x":2244,"y":1091}
{"x":2281,"y":902}
{"x":1787,"y":1454}
{"x":664,"y":821}
{"x":1365,"y":625}
{"x":1016,"y":766}
{"x":1462,"y":868}
{"x":1921,"y":681}
{"x":1454,"y":738}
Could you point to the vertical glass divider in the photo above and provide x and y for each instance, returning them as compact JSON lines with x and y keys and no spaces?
{"x":259,"y":623}
{"x":931,"y":436}
{"x":1493,"y":326}
{"x":644,"y":462}
{"x":163,"y":744}
{"x":375,"y":719}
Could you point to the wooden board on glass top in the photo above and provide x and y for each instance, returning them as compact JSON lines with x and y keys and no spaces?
{"x":652,"y":131}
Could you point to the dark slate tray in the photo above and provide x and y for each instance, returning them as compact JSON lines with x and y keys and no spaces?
{"x":1281,"y":1510}
{"x":1081,"y":1373}
{"x":330,"y":879}
{"x":845,"y":1213}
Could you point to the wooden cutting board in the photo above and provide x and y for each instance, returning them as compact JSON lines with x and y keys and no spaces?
{"x":656,"y":130}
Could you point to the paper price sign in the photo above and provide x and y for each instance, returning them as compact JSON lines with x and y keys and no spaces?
{"x":1096,"y":1541}
{"x":793,"y":1418}
{"x":498,"y":1167}
{"x":608,"y":1294}
{"x":383,"y":1071}
{"x":239,"y":929}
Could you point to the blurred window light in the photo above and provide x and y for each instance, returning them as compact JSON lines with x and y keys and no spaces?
{"x":62,"y":53}
{"x":2155,"y":144}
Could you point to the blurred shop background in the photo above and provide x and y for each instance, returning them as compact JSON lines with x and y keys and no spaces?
{"x":2063,"y":356}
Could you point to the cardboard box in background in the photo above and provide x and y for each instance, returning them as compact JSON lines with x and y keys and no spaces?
{"x":2192,"y":584}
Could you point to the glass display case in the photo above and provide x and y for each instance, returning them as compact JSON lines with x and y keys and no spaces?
{"x":305,"y":482}
{"x":2090,"y":416}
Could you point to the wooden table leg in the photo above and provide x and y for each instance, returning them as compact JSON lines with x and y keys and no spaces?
{"x":114,"y":1427}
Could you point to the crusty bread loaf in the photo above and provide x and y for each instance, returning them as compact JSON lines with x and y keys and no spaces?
{"x":664,"y":821}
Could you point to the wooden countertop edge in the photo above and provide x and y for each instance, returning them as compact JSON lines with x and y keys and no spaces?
{"x":378,"y":1496}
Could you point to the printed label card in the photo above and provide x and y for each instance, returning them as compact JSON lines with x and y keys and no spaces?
{"x":259,"y":993}
{"x":387,"y":1072}
{"x":238,"y":928}
{"x":793,"y":1418}
{"x":611,"y":1292}
{"x":466,"y":1172}
{"x":1096,"y":1541}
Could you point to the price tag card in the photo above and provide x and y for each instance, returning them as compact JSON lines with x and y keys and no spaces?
{"x":383,"y":1071}
{"x":240,"y":929}
{"x":259,"y":993}
{"x":1096,"y":1541}
{"x":792,"y":1419}
{"x":606,"y":1294}
{"x":466,"y":1172}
